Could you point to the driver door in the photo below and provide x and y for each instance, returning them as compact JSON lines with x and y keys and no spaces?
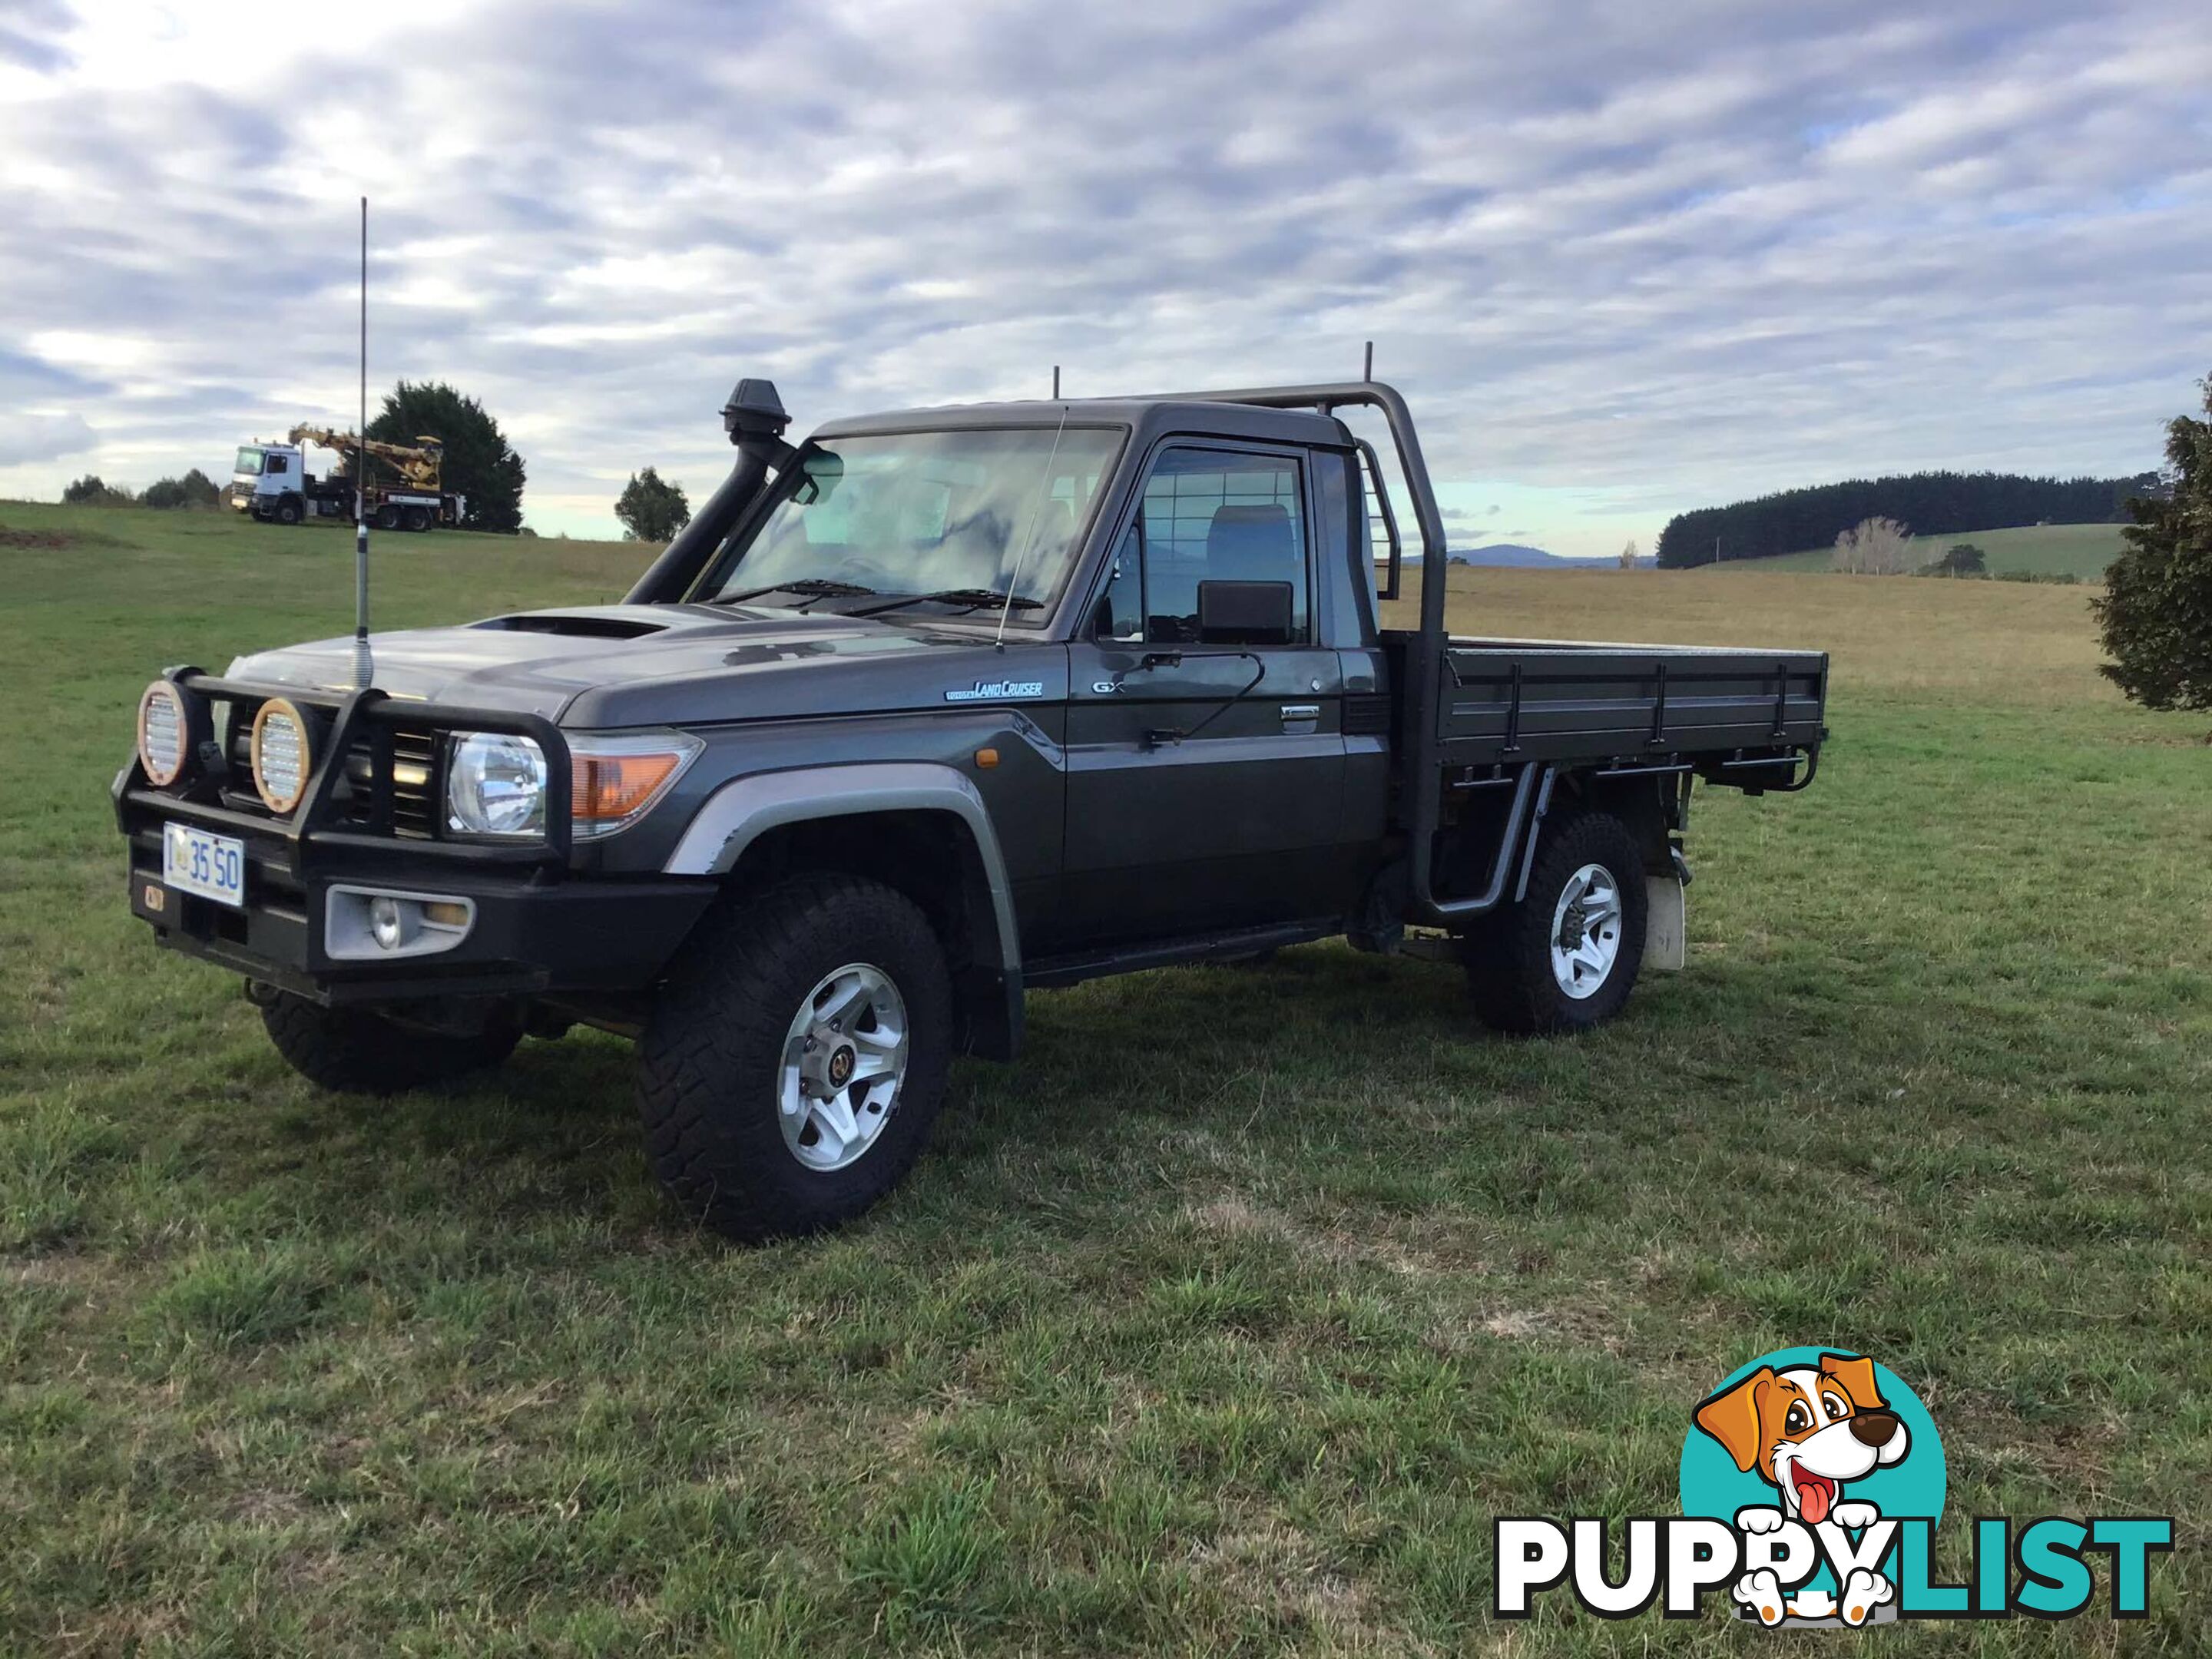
{"x":1204,"y":776}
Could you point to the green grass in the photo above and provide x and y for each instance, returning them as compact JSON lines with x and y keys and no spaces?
{"x":2043,"y":549}
{"x":1227,"y":1321}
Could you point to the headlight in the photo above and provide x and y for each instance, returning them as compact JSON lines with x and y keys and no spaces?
{"x":618,"y":778}
{"x":164,"y":738}
{"x":282,"y":755}
{"x":495,"y":785}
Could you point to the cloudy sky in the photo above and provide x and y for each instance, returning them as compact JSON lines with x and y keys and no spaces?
{"x":1626,"y":259}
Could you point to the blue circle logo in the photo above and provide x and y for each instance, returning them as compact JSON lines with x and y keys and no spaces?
{"x":1824,"y":1438}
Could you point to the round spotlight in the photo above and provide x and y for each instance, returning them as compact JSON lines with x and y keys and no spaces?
{"x":164,"y":735}
{"x":282,"y":754}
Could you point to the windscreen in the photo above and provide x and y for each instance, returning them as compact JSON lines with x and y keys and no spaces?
{"x":249,"y":462}
{"x":913,"y":512}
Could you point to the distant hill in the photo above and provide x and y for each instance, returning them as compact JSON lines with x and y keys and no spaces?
{"x":1954,"y":505}
{"x":1515,"y":555}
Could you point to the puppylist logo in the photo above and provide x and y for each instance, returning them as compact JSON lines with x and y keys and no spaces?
{"x":1812,"y":1485}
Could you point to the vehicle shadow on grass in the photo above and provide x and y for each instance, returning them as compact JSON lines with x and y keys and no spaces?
{"x":1325,"y":1047}
{"x":553,"y":1130}
{"x":1267,"y":1058}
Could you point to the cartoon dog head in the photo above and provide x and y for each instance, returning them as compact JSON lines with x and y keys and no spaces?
{"x":1807,"y":1428}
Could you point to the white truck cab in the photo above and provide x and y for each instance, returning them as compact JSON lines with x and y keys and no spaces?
{"x":269,"y":481}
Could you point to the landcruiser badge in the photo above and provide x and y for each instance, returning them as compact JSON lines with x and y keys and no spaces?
{"x":991,"y":691}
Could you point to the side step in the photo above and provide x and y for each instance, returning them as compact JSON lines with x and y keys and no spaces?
{"x":1073,"y":970}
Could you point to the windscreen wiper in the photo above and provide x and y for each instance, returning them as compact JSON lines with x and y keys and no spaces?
{"x":818,"y":587}
{"x":971,"y":598}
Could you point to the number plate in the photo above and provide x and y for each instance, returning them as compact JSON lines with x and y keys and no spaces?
{"x":213,"y":866}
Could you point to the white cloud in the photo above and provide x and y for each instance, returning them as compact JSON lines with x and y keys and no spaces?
{"x":28,"y":438}
{"x":1624,"y":260}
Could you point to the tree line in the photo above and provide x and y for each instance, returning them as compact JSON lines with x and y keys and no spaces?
{"x":195,"y":489}
{"x":1932,"y":503}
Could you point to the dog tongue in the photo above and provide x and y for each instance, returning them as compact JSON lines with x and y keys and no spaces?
{"x":1813,"y":1497}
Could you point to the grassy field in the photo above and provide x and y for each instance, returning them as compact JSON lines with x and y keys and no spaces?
{"x":2044,"y":549}
{"x":1227,"y":1322}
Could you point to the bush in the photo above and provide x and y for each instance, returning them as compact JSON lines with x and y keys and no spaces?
{"x":91,"y":490}
{"x":1960,"y":559}
{"x":651,"y":508}
{"x":1875,"y":547}
{"x":2156,"y":612}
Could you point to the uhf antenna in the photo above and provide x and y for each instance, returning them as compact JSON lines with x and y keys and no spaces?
{"x":1368,"y":372}
{"x":1055,"y":383}
{"x":361,"y":661}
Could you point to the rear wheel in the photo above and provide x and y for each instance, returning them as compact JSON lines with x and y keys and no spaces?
{"x":797,"y":1056}
{"x":353,"y":1051}
{"x":1566,"y":956}
{"x":388,"y":517}
{"x":418,"y":518}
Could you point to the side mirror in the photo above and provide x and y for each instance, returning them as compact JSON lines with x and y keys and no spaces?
{"x":1244,"y":613}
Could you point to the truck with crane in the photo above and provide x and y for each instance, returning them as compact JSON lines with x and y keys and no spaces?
{"x":405,"y":482}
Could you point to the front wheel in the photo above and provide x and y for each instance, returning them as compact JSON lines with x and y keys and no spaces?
{"x":352,"y":1051}
{"x":797,"y":1056}
{"x":1566,"y":956}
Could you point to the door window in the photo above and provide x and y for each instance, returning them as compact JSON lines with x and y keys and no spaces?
{"x":1206,"y":515}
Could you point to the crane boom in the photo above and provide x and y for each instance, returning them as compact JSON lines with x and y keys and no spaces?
{"x":420,"y":464}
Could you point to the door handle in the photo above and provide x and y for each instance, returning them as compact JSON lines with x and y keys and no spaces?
{"x":1301,"y":711}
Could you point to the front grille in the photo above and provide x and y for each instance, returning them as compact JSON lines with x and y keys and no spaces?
{"x":415,"y":778}
{"x":234,"y":720}
{"x":414,"y":783}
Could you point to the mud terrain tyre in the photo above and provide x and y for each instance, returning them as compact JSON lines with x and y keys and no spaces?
{"x":1565,"y":957}
{"x":797,"y":1056}
{"x":351,"y":1051}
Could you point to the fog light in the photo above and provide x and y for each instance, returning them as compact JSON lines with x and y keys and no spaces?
{"x":388,"y":923}
{"x":370,"y":924}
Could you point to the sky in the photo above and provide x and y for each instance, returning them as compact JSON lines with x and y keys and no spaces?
{"x":1624,"y":259}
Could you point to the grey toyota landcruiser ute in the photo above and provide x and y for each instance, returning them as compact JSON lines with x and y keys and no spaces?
{"x":929,"y":711}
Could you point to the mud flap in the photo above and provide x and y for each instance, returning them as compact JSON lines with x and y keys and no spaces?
{"x":1666,"y":925}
